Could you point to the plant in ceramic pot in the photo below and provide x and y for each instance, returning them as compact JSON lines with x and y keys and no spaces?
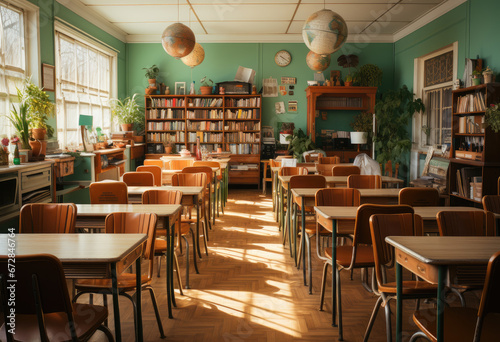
{"x":126,"y":112}
{"x":299,"y":143}
{"x":151,"y":74}
{"x":488,"y":75}
{"x":206,"y":86}
{"x":349,"y":61}
{"x":363,"y":123}
{"x":492,"y":117}
{"x":476,"y":77}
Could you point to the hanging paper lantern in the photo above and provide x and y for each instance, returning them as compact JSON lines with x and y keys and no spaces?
{"x":178,"y":40}
{"x":324,"y":32}
{"x":195,"y":57}
{"x":317,"y":62}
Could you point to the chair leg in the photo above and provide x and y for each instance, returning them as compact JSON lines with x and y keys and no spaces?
{"x":339,"y":305}
{"x":187,"y":258}
{"x":309,"y":262}
{"x":205,"y":235}
{"x":372,"y":319}
{"x":323,"y":286}
{"x":107,"y":332}
{"x":299,"y":256}
{"x":194,"y":252}
{"x":105,"y":304}
{"x":417,"y":335}
{"x":178,"y":272}
{"x":158,"y":266}
{"x":157,"y":312}
{"x":460,"y":296}
{"x":388,"y":325}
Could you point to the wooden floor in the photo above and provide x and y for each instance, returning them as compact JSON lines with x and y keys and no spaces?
{"x":249,"y":290}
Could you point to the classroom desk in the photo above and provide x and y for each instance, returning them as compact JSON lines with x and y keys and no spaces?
{"x":89,"y":256}
{"x":429,"y":258}
{"x":167,"y":212}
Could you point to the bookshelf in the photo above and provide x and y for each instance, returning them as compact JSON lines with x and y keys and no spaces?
{"x":474,"y":155}
{"x":229,"y":122}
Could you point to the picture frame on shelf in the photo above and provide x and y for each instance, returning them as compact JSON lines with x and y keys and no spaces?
{"x":335,"y":77}
{"x":180,"y":88}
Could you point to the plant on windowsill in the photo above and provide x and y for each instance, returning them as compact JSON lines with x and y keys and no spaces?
{"x":492,"y":117}
{"x":127,"y":112}
{"x":299,"y":143}
{"x":206,"y":86}
{"x":19,"y":119}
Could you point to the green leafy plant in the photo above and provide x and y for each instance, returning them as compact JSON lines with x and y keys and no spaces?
{"x":393,"y":113}
{"x":492,"y":117}
{"x":487,"y":71}
{"x":127,"y":111}
{"x":152,"y":73}
{"x":39,"y":108}
{"x":299,"y":143}
{"x":476,"y":74}
{"x":370,"y":75}
{"x":352,"y":76}
{"x":19,"y":119}
{"x":206,"y":83}
{"x":363,"y":122}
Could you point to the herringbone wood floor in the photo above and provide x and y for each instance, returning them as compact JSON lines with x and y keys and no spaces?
{"x":248,"y":289}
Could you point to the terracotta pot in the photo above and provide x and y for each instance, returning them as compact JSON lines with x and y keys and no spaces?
{"x":348,"y":84}
{"x":38,"y":133}
{"x":168,"y":149}
{"x":126,"y":127}
{"x":206,"y":90}
{"x":38,"y":147}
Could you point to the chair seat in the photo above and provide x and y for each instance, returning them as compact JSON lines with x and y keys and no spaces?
{"x":459,"y":324}
{"x":87,"y":319}
{"x":126,"y":282}
{"x":410,"y":287}
{"x":364,"y":256}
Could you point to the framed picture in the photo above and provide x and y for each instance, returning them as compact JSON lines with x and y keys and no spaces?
{"x":335,"y":77}
{"x":48,"y":77}
{"x":180,"y":88}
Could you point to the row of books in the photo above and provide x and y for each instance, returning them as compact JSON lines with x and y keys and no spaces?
{"x":205,"y":125}
{"x":170,"y":102}
{"x":241,"y":137}
{"x":244,"y":148}
{"x":178,"y":136}
{"x":471,"y":103}
{"x":246,"y":102}
{"x":209,"y":147}
{"x":165,"y":114}
{"x":204,"y":114}
{"x":471,"y":124}
{"x":243,"y":126}
{"x":465,"y":177}
{"x":243,"y":114}
{"x":340,"y":102}
{"x":166,"y":126}
{"x":205,"y":102}
{"x":205,"y":137}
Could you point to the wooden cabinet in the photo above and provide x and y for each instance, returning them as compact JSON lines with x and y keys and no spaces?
{"x":64,"y":166}
{"x":109,"y":164}
{"x":474,"y":156}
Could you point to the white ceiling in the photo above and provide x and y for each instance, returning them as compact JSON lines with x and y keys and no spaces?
{"x":257,"y":20}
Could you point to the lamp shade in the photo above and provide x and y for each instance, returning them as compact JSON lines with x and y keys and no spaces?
{"x":359,"y":137}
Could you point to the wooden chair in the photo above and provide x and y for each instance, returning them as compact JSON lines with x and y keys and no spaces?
{"x":381,"y":226}
{"x":325,"y":169}
{"x":313,"y":155}
{"x":466,"y":223}
{"x":209,"y":191}
{"x":388,"y":170}
{"x":138,"y":179}
{"x":181,"y":230}
{"x":155,"y":162}
{"x":43,"y":306}
{"x":345,"y":170}
{"x":467,"y":324}
{"x":265,"y":178}
{"x":364,"y":181}
{"x":127,"y":223}
{"x":492,"y":203}
{"x":47,"y":218}
{"x":219,"y":185}
{"x":275,"y":190}
{"x":360,"y":254}
{"x":108,"y":193}
{"x":155,"y":170}
{"x":179,"y":164}
{"x":419,"y":197}
{"x":329,"y":160}
{"x":292,"y":171}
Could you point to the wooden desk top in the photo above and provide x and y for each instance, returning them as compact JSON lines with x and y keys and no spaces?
{"x":332,"y":180}
{"x":385,"y":192}
{"x":186,"y":190}
{"x":104,"y":209}
{"x":214,"y":169}
{"x":447,"y":250}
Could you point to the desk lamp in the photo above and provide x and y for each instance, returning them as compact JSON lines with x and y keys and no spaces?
{"x":85,"y":121}
{"x":358,"y":138}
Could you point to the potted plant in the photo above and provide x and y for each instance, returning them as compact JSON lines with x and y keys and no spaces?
{"x":476,"y":77}
{"x":206,"y":86}
{"x":151,"y":74}
{"x":488,"y":75}
{"x":363,"y":123}
{"x":19,"y":119}
{"x":427,"y":131}
{"x":351,"y":78}
{"x":168,"y":146}
{"x":299,"y":143}
{"x":492,"y":117}
{"x":126,"y":112}
{"x":349,"y":61}
{"x":370,"y":75}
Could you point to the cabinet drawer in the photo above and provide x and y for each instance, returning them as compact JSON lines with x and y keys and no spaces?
{"x":65,"y":168}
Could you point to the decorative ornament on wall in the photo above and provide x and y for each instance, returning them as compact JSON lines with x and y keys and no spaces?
{"x":317,"y":62}
{"x":178,"y":40}
{"x":324,"y":32}
{"x":195,"y":57}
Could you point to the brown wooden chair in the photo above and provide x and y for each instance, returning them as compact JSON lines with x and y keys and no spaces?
{"x":467,"y":324}
{"x":181,"y":230}
{"x":179,"y":164}
{"x":419,"y":197}
{"x":127,"y":223}
{"x":138,"y":179}
{"x":329,"y":160}
{"x":466,"y":223}
{"x":364,"y":181}
{"x":492,"y":203}
{"x":43,"y":306}
{"x":274,"y":163}
{"x":360,"y":254}
{"x":292,"y":171}
{"x":47,"y":218}
{"x":155,"y":170}
{"x":208,"y":192}
{"x":381,"y":226}
{"x":220,"y":186}
{"x":345,"y":170}
{"x":108,"y":193}
{"x":325,"y":169}
{"x":155,"y":162}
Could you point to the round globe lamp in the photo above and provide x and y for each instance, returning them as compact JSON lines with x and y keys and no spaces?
{"x":324,"y":32}
{"x":178,"y":40}
{"x":317,"y":62}
{"x":359,"y":138}
{"x":195,"y":57}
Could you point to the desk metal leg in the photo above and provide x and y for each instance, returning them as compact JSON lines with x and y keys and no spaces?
{"x":198,"y":213}
{"x":440,"y":303}
{"x":399,"y":302}
{"x":303,"y":237}
{"x":169,"y":266}
{"x":138,"y":299}
{"x":116,"y":307}
{"x":334,"y":278}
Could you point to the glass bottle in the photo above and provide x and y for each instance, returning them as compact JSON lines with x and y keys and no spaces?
{"x":198,"y":149}
{"x":192,"y":91}
{"x":17,"y":160}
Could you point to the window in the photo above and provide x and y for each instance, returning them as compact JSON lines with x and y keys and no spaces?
{"x":84,"y":77}
{"x":436,"y":128}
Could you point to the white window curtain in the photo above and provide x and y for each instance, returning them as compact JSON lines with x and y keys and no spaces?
{"x":84,"y":75}
{"x":12,"y":62}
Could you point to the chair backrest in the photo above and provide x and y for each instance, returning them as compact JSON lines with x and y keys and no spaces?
{"x":364,"y":181}
{"x":155,"y":170}
{"x":207,"y":163}
{"x":466,"y":223}
{"x":492,"y":203}
{"x":189,"y":179}
{"x":345,"y":170}
{"x":108,"y":193}
{"x":162,"y":197}
{"x":329,"y":160}
{"x":179,"y":164}
{"x":200,"y":169}
{"x":155,"y":162}
{"x":47,"y":218}
{"x":138,"y":179}
{"x":307,"y":181}
{"x":274,"y":163}
{"x":325,"y":169}
{"x":383,"y":225}
{"x":419,"y":197}
{"x":292,"y":171}
{"x":338,"y":197}
{"x":498,"y":186}
{"x":490,"y":299}
{"x":312,"y":155}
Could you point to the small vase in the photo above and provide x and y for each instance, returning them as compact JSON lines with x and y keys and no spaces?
{"x":167,"y":91}
{"x":126,"y":127}
{"x":17,"y":159}
{"x":488,"y":78}
{"x":476,"y":81}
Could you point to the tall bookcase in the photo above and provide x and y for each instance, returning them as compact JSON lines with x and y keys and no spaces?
{"x":474,"y":155}
{"x":229,"y":122}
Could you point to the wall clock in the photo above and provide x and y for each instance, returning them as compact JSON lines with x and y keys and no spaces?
{"x":283,"y":58}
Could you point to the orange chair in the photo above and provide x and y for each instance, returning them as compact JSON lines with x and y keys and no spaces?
{"x":419,"y":197}
{"x":155,"y":170}
{"x":155,"y":162}
{"x":41,"y":276}
{"x":329,"y":160}
{"x":108,"y":193}
{"x":364,"y":181}
{"x":220,"y":183}
{"x":345,"y":170}
{"x":138,"y":179}
{"x":179,"y":164}
{"x":325,"y":169}
{"x":127,"y":223}
{"x":292,"y":171}
{"x":47,"y":218}
{"x":209,"y":191}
